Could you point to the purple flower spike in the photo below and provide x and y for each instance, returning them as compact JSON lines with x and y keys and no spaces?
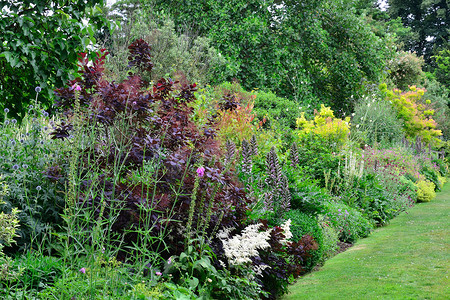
{"x":201,"y":171}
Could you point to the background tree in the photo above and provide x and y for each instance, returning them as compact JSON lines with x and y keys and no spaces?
{"x":39,"y":42}
{"x":429,"y":20}
{"x":309,"y":51}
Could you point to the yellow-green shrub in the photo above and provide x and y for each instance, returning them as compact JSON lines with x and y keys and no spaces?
{"x":425,"y":191}
{"x":8,"y":226}
{"x":325,"y":125}
{"x":415,"y":112}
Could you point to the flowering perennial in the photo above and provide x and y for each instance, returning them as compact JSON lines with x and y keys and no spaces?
{"x":241,"y":247}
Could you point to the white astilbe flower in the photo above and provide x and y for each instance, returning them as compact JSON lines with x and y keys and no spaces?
{"x":286,"y":226}
{"x":224,"y":233}
{"x":241,"y":247}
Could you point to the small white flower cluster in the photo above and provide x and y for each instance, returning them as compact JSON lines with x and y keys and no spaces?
{"x":241,"y":247}
{"x":286,"y":226}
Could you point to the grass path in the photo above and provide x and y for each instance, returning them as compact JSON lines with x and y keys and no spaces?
{"x":408,"y":259}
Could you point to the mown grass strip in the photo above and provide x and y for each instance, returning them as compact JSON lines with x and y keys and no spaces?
{"x":408,"y":259}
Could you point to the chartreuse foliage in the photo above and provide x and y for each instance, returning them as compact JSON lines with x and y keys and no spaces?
{"x":39,"y":45}
{"x":425,"y":191}
{"x":415,"y":112}
{"x":334,"y":130}
{"x":8,"y":226}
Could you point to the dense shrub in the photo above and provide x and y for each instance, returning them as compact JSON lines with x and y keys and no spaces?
{"x":405,"y":69}
{"x":163,"y":134}
{"x":271,"y":107}
{"x":333,"y":130}
{"x":425,"y":191}
{"x":415,"y":112}
{"x":306,"y":195}
{"x":302,"y":224}
{"x":349,"y":222}
{"x":26,"y":151}
{"x":330,"y":239}
{"x":317,"y":156}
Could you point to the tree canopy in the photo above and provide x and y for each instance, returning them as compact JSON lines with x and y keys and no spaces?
{"x":39,"y":42}
{"x":306,"y":50}
{"x":429,"y":20}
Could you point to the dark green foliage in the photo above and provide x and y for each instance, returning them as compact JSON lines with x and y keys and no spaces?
{"x":39,"y":48}
{"x":428,"y":20}
{"x":377,"y":203}
{"x":37,"y":272}
{"x":316,"y":156}
{"x":442,"y":70}
{"x":348,"y":221}
{"x":302,"y":224}
{"x":316,"y":50}
{"x":271,"y":107}
{"x":431,"y":174}
{"x":26,"y":151}
{"x":306,"y":195}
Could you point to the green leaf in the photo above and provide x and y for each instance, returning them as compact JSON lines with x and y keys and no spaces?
{"x":193,"y":283}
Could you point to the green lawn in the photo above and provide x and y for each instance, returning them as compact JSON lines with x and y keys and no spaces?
{"x":408,"y":259}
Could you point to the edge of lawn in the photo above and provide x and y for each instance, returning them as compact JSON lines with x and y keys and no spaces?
{"x":407,"y":259}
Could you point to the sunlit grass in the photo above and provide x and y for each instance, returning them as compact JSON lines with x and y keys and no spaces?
{"x":409,"y":259}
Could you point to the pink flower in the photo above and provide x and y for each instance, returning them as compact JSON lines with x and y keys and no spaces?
{"x":158,"y":273}
{"x":83,"y":270}
{"x":76,"y":87}
{"x":201,"y":171}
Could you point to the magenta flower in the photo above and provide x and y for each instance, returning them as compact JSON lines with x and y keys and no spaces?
{"x":201,"y":171}
{"x":83,"y":270}
{"x":158,"y":273}
{"x":76,"y":87}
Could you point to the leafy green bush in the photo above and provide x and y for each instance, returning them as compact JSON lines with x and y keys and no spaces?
{"x":425,"y":191}
{"x":380,"y":196}
{"x":26,"y":152}
{"x":306,"y":195}
{"x":270,"y":106}
{"x":349,"y":222}
{"x":317,"y":156}
{"x":302,"y":224}
{"x":330,"y":239}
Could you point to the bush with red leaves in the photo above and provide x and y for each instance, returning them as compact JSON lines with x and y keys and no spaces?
{"x":162,"y":123}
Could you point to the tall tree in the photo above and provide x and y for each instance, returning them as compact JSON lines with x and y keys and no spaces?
{"x":39,"y":42}
{"x":428,"y":19}
{"x":311,"y":50}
